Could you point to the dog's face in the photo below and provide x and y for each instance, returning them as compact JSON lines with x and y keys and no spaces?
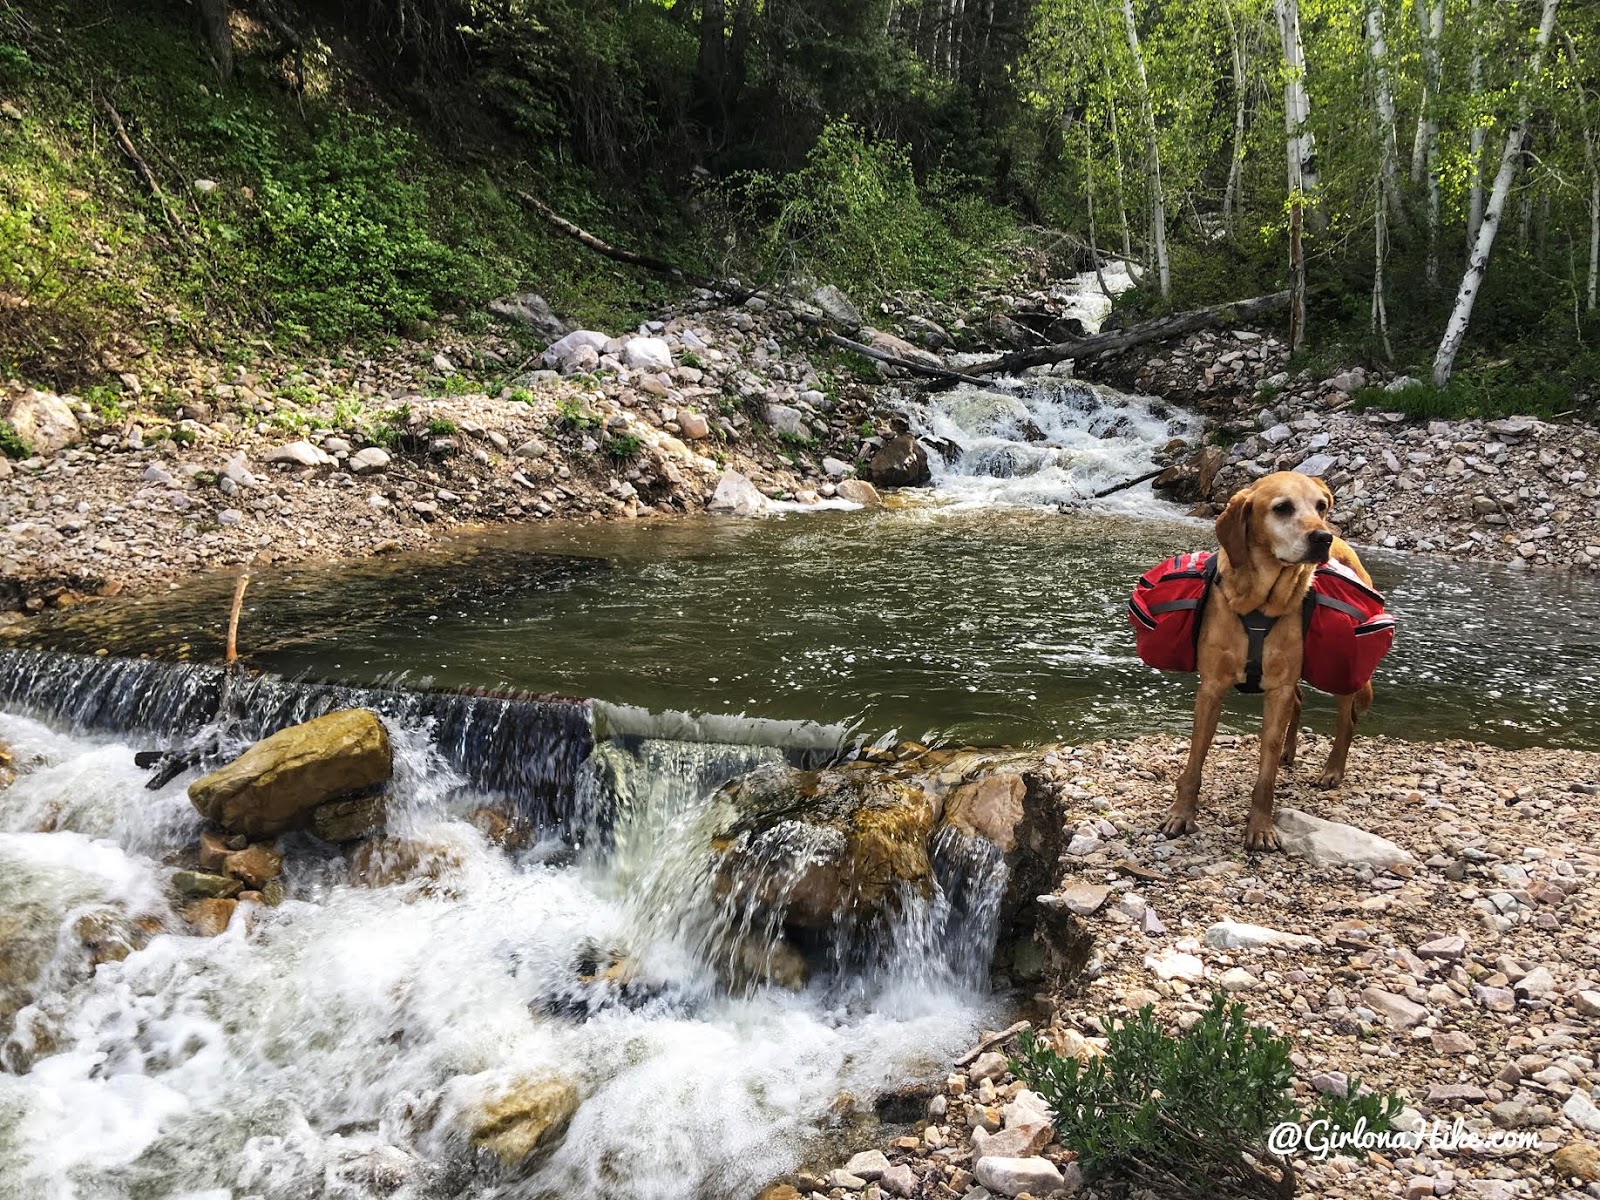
{"x":1285,"y":514}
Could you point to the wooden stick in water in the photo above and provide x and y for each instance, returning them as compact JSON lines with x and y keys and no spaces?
{"x":233,"y":616}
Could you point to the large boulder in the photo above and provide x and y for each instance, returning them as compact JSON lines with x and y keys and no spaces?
{"x":900,"y":462}
{"x":43,"y":420}
{"x":273,"y":786}
{"x":530,"y":310}
{"x":561,"y":352}
{"x":735,"y":494}
{"x":827,"y":847}
{"x":836,"y":306}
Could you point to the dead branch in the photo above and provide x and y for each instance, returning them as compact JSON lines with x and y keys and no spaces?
{"x":1157,"y":330}
{"x":139,"y":164}
{"x":906,"y":364}
{"x":617,"y":254}
{"x":1126,"y":484}
{"x":994,"y":1039}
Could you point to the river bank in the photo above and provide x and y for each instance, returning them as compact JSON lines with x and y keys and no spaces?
{"x":1436,"y":941}
{"x":193,"y":465}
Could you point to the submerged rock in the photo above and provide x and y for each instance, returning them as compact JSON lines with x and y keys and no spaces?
{"x":737,"y":495}
{"x":348,"y":820}
{"x":524,"y":1120}
{"x":274,"y":786}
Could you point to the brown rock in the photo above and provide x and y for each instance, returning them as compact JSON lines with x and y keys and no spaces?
{"x":779,"y":1191}
{"x":989,"y":807}
{"x":273,"y":786}
{"x":859,"y":491}
{"x":210,"y":917}
{"x":501,"y":828}
{"x":200,"y":883}
{"x":381,"y":862}
{"x":1580,"y":1160}
{"x":526,"y":1119}
{"x":348,"y":820}
{"x":900,"y":462}
{"x":213,"y":851}
{"x":255,"y":865}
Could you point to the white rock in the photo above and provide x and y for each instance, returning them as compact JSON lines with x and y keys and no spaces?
{"x":43,"y":420}
{"x":868,"y":1165}
{"x":1013,"y":1176}
{"x":205,"y":186}
{"x":737,"y":495}
{"x":1587,"y":1003}
{"x":1317,"y":464}
{"x":1173,"y":964}
{"x":646,"y":354}
{"x":443,"y":365}
{"x":563,"y":350}
{"x":991,"y":1065}
{"x":1581,"y":1111}
{"x":837,"y":308}
{"x":694,"y":426}
{"x":302,"y":454}
{"x":369,"y":461}
{"x":1329,"y":842}
{"x":1239,"y":935}
{"x":785,"y":418}
{"x":235,"y":471}
{"x":836,"y":468}
{"x":1397,"y":1010}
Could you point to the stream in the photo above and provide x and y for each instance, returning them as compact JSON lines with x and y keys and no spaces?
{"x":328,"y":1048}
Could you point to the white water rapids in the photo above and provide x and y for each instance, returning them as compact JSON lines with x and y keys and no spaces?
{"x":331,"y":1047}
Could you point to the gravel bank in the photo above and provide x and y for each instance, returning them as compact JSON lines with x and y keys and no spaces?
{"x":1465,"y":975}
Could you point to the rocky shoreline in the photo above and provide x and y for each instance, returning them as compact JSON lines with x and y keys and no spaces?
{"x":196,"y":466}
{"x":1436,"y":939}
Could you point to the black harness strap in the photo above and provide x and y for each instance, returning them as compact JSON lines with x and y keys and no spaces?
{"x":1257,"y":625}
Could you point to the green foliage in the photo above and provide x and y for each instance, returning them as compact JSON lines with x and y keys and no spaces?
{"x":106,"y":402}
{"x":11,"y":443}
{"x":521,"y":395}
{"x":854,"y":215}
{"x":441,"y":427}
{"x":1186,"y":1114}
{"x":624,"y":447}
{"x":571,"y":413}
{"x":392,"y":425}
{"x":1485,"y":395}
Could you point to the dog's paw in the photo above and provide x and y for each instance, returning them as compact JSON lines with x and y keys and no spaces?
{"x":1259,"y":837}
{"x":1179,"y":822}
{"x":1331,"y":777}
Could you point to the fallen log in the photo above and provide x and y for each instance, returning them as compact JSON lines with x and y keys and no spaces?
{"x":1157,"y":330}
{"x":125,"y":144}
{"x":617,"y":254}
{"x":906,"y":364}
{"x":1126,"y":484}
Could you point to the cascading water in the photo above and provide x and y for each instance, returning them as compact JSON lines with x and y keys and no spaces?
{"x":1044,"y":440}
{"x":345,"y":1043}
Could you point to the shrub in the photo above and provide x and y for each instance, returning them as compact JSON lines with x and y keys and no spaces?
{"x":11,"y":443}
{"x":1470,"y":395}
{"x":1186,"y":1114}
{"x":855,"y":216}
{"x":624,"y":447}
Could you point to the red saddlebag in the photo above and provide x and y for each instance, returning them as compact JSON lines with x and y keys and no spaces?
{"x":1165,"y":608}
{"x":1347,"y":631}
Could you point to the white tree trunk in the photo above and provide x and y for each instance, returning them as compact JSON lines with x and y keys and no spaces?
{"x":1431,"y":23}
{"x":1158,"y":201}
{"x":1299,"y":153}
{"x":1231,"y":193}
{"x":1122,"y":181}
{"x":1380,"y":226}
{"x":1475,"y":166}
{"x":1456,"y":331}
{"x":1594,"y":230}
{"x":1388,"y":139}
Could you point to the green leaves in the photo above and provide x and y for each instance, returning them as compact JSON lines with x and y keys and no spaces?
{"x":1185,"y":1113}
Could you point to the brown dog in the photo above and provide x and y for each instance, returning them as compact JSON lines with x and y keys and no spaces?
{"x":1273,"y":533}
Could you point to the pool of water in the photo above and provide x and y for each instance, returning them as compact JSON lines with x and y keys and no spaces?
{"x":983,"y":625}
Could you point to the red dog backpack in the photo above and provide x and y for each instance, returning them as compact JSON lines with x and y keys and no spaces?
{"x":1347,"y":631}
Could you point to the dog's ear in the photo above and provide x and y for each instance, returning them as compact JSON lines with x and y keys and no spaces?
{"x":1326,"y":490}
{"x":1233,"y":528}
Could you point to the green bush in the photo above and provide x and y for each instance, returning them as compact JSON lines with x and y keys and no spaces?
{"x":11,"y":443}
{"x":1186,"y":1114}
{"x":624,"y":447}
{"x":854,"y":215}
{"x":345,"y":246}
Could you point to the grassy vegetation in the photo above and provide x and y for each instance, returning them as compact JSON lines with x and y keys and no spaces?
{"x":1484,"y":394}
{"x":11,"y":443}
{"x":334,"y":217}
